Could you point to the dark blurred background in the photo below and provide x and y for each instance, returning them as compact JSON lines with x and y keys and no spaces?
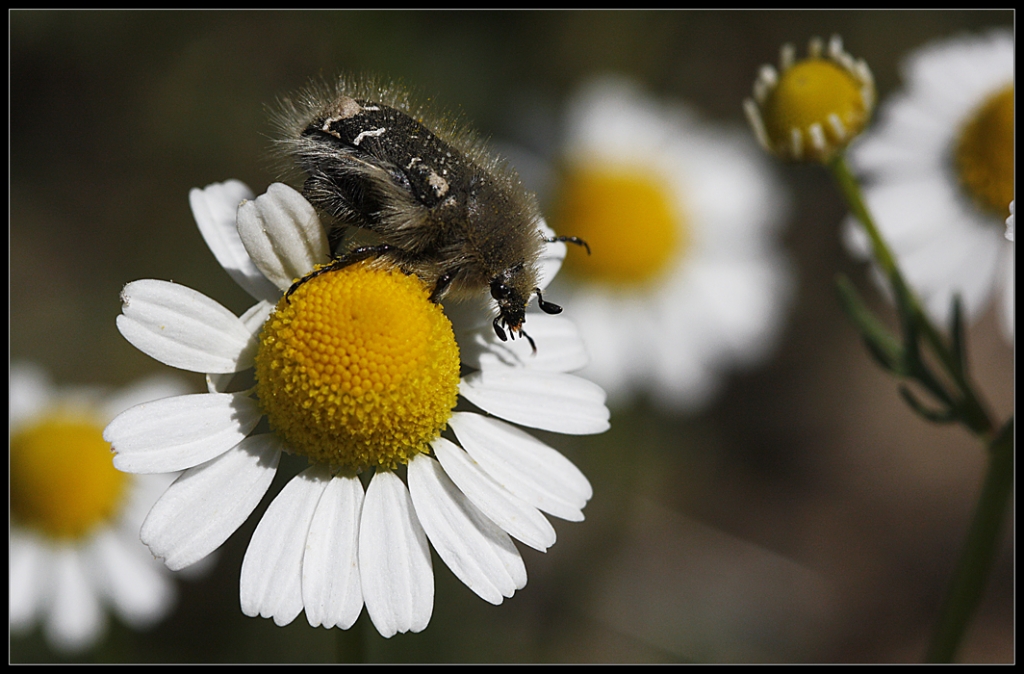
{"x":807,"y":516}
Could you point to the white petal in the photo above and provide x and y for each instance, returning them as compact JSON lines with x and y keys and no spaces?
{"x":172,"y":434}
{"x":30,"y":391}
{"x":214,"y":208}
{"x":479,"y":553}
{"x":559,"y":347}
{"x":139,"y":589}
{"x":143,"y":492}
{"x":524,"y":465}
{"x":551,"y":401}
{"x":331,"y":589}
{"x":76,"y":619}
{"x":151,"y":388}
{"x":521,"y":520}
{"x":551,"y":257}
{"x":282,"y":234}
{"x":394,"y":559}
{"x":271,"y":581}
{"x":256,"y":315}
{"x":184,"y":328}
{"x":253,"y":319}
{"x":208,"y":503}
{"x":29,"y":567}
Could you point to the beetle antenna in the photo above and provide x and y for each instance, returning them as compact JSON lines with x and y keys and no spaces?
{"x":546,"y":307}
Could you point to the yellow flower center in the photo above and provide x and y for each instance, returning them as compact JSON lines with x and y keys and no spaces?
{"x":815,"y":97}
{"x":984,"y":153}
{"x":628,"y":218}
{"x":63,"y":480}
{"x":358,"y":368}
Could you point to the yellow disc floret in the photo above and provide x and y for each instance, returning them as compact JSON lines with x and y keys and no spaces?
{"x":63,"y":480}
{"x":628,"y":217}
{"x":358,"y":368}
{"x":984,"y":153}
{"x":813,"y":108}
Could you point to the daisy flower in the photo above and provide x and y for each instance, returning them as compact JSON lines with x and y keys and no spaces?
{"x":939,"y":174}
{"x":687,"y":279}
{"x":808,"y":110}
{"x":74,"y":537}
{"x":359,"y":372}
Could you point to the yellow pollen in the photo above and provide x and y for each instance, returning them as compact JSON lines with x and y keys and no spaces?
{"x":628,"y":218}
{"x":984,"y":153}
{"x":63,"y":480}
{"x":358,"y":368}
{"x":816,"y":92}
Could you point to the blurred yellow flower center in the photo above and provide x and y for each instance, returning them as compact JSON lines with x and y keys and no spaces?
{"x":984,"y":153}
{"x":358,"y":368}
{"x":63,"y":480}
{"x":815,"y":92}
{"x":629,"y":219}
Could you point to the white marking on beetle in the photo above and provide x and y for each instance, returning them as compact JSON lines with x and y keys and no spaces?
{"x":326,"y":128}
{"x":372,"y":134}
{"x":439,"y":184}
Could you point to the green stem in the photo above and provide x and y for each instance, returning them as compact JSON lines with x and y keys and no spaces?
{"x":974,"y":411}
{"x":851,"y":190}
{"x":979,"y":553}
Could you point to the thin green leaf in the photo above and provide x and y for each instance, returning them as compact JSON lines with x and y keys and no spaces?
{"x":922,"y":375}
{"x":881,"y":344}
{"x":883,"y":358}
{"x":938,"y":416}
{"x":956,"y":333}
{"x":908,"y":315}
{"x":914,"y":324}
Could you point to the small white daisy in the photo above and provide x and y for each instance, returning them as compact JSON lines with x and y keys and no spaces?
{"x":810,"y":109}
{"x":358,"y":371}
{"x":939,"y":174}
{"x":686,"y":279}
{"x":74,"y":537}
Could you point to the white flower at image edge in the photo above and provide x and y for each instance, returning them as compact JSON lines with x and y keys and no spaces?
{"x":74,"y":536}
{"x":323,"y":545}
{"x":687,"y":279}
{"x":945,"y":237}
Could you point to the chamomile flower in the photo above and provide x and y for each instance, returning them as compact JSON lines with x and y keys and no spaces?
{"x":74,"y":537}
{"x":686,"y":279}
{"x":938,"y":174}
{"x":808,"y":110}
{"x":359,"y":372}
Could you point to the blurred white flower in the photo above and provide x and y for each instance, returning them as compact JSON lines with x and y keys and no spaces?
{"x":686,"y":279}
{"x":358,"y":371}
{"x":938,"y":174}
{"x":75,"y":519}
